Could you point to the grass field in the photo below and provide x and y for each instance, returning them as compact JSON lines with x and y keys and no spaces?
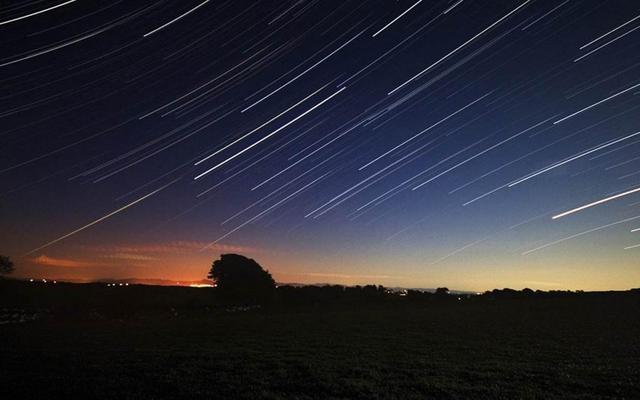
{"x":579,"y":347}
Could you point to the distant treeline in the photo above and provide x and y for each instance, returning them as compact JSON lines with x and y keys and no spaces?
{"x":97,"y":300}
{"x":329,"y":294}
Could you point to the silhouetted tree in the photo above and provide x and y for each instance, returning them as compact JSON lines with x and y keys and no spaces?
{"x":241,"y":279}
{"x":6,"y":265}
{"x":528,"y":292}
{"x":442,"y":291}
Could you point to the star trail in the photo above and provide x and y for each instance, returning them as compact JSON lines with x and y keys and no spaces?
{"x":469,"y":143}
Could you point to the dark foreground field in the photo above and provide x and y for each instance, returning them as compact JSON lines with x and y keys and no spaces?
{"x":583,"y":346}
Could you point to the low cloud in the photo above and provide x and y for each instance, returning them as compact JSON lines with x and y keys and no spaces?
{"x":174,"y":247}
{"x":347,"y":276}
{"x":129,"y":257}
{"x":61,"y":262}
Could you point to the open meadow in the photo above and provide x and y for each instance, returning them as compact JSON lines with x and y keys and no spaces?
{"x":169,"y":342}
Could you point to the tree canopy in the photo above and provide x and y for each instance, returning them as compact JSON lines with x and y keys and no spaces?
{"x":241,"y":278}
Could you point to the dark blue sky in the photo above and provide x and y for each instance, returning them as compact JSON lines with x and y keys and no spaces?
{"x":397,"y":142}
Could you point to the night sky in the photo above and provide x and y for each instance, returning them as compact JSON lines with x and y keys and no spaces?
{"x":465,"y":143}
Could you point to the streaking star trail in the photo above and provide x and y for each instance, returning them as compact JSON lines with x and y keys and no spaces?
{"x":434,"y":142}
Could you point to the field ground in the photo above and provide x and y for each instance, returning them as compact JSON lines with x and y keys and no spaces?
{"x":578,"y":347}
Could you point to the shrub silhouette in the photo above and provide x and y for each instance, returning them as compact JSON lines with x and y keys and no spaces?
{"x":6,"y":265}
{"x":241,"y":279}
{"x":442,"y":291}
